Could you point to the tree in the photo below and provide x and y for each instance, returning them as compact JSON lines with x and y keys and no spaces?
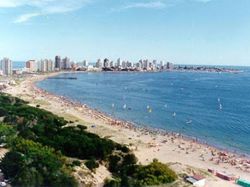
{"x":12,"y":164}
{"x":32,"y":164}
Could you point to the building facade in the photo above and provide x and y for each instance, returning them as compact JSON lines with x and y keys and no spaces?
{"x":6,"y":66}
{"x":57,"y":62}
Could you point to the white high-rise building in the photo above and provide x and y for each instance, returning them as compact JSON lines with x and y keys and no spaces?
{"x":85,"y":63}
{"x":146,"y":64}
{"x":6,"y":66}
{"x":106,"y":63}
{"x":118,"y":63}
{"x":66,"y":63}
{"x":162,"y":64}
{"x":31,"y":65}
{"x":124,"y":64}
{"x":99,"y":63}
{"x":44,"y":66}
{"x":111,"y":64}
{"x":50,"y":66}
{"x":170,"y":66}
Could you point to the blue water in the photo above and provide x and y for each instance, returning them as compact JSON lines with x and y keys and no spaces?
{"x":152,"y":98}
{"x":18,"y":65}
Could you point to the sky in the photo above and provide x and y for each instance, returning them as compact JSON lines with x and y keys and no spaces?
{"x":212,"y":32}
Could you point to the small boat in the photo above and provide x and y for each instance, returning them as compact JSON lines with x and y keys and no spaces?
{"x":149,"y":109}
{"x":218,"y":100}
{"x":174,"y":114}
{"x":189,"y":122}
{"x":220,"y":106}
{"x":124,"y":106}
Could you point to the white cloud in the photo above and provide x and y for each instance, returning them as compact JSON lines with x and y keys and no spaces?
{"x":10,"y":3}
{"x":153,"y":4}
{"x":26,"y":17}
{"x":156,"y":4}
{"x":43,"y":7}
{"x":203,"y":1}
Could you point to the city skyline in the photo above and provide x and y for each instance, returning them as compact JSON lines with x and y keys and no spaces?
{"x":211,"y":32}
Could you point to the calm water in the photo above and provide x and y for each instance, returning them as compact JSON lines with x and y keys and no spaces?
{"x":213,"y":107}
{"x":18,"y":65}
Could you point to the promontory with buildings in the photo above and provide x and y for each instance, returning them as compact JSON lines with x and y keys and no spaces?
{"x":65,"y":64}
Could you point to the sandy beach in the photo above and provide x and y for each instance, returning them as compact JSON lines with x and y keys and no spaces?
{"x":184,"y":155}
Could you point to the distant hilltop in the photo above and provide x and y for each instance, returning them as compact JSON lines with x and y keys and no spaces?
{"x":65,"y":64}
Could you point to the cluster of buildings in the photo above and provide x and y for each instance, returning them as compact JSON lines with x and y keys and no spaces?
{"x":47,"y":65}
{"x":58,"y":64}
{"x":101,"y":65}
{"x":141,"y":65}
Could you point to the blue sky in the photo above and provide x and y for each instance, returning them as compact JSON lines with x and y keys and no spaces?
{"x":181,"y":31}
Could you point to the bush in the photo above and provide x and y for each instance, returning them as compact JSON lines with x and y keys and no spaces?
{"x":46,"y":128}
{"x":3,"y":112}
{"x":112,"y":183}
{"x":12,"y":164}
{"x":130,"y":174}
{"x":31,"y":164}
{"x":42,"y":164}
{"x":92,"y":164}
{"x":114,"y":165}
{"x":154,"y":174}
{"x":129,"y":159}
{"x":7,"y":132}
{"x":76,"y":163}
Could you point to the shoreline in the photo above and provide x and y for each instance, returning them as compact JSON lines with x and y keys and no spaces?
{"x":156,"y":142}
{"x":138,"y":127}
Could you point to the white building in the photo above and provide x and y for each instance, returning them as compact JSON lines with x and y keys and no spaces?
{"x":45,"y":66}
{"x":6,"y":66}
{"x":50,"y":66}
{"x":31,"y":66}
{"x":111,"y":64}
{"x":85,"y":63}
{"x":119,"y":63}
{"x":162,"y":64}
{"x":99,"y":63}
{"x":66,"y":64}
{"x":124,"y":64}
{"x":170,"y":66}
{"x":146,"y":64}
{"x":196,"y":180}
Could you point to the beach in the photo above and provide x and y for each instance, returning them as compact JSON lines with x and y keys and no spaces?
{"x":181,"y":153}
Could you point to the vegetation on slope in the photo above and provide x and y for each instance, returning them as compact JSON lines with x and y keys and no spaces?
{"x":39,"y":141}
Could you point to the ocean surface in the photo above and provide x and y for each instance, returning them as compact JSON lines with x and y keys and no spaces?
{"x":18,"y":64}
{"x":214,"y":107}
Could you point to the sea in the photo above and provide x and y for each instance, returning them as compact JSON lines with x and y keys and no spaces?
{"x":18,"y":65}
{"x":212,"y":107}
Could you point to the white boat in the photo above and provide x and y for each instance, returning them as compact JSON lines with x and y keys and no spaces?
{"x":220,"y":106}
{"x":189,"y":122}
{"x":174,"y":114}
{"x":124,"y":106}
